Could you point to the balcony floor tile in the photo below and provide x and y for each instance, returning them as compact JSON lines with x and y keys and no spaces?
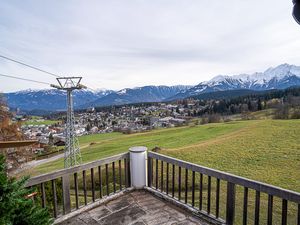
{"x":135,"y":208}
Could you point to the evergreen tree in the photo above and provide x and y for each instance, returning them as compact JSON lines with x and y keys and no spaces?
{"x":88,"y":127}
{"x":51,"y":139}
{"x":259,"y":105}
{"x":249,"y":105}
{"x":15,"y":208}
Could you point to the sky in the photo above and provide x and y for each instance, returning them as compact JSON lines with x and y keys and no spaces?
{"x":119,"y":44}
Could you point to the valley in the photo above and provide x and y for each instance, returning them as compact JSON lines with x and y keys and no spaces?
{"x":264,"y":150}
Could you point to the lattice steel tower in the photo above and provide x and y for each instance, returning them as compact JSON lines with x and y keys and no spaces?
{"x":72,"y":155}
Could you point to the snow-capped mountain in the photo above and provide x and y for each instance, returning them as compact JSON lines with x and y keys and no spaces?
{"x":51,"y":99}
{"x":280,"y":77}
{"x":139,"y":94}
{"x":55,"y":100}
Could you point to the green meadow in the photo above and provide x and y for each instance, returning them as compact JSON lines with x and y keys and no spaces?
{"x":40,"y":122}
{"x":264,"y":150}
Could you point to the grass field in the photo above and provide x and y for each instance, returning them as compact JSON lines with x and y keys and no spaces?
{"x":103,"y":145}
{"x":40,"y":122}
{"x":267,"y":150}
{"x":264,"y":150}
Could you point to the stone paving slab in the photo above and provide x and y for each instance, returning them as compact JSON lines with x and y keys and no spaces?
{"x":135,"y":208}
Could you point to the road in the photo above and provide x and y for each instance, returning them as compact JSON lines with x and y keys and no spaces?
{"x":35,"y":163}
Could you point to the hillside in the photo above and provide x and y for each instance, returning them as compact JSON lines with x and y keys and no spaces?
{"x":229,"y":94}
{"x":225,"y":146}
{"x":245,"y":93}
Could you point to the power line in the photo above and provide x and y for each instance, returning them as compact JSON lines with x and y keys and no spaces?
{"x":24,"y":79}
{"x":32,"y":67}
{"x":30,"y":80}
{"x":25,"y":64}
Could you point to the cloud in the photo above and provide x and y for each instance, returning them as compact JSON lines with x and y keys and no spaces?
{"x":116,"y":44}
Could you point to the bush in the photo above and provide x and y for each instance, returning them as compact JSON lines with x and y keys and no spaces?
{"x":282,"y":112}
{"x":203,"y":121}
{"x":247,"y":116}
{"x":15,"y":208}
{"x":296,"y":114}
{"x":214,"y":118}
{"x":227,"y":119}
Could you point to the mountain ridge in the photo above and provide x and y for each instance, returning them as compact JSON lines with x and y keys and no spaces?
{"x":148,"y":93}
{"x":279,"y":77}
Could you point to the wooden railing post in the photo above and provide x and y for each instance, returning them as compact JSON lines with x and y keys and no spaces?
{"x":54,"y":198}
{"x":230,"y":204}
{"x":149,"y":161}
{"x":43,"y":195}
{"x":66,"y":193}
{"x":126,"y":172}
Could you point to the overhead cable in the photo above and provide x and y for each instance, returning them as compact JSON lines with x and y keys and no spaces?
{"x":25,"y":79}
{"x":25,"y":64}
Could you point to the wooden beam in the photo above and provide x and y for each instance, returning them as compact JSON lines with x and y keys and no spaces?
{"x":15,"y":144}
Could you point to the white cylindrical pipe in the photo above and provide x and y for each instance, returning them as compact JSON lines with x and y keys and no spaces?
{"x":138,"y":158}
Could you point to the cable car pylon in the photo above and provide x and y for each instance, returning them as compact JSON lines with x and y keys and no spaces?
{"x":72,"y":155}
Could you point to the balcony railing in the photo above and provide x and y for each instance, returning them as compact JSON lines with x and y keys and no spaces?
{"x":173,"y":185}
{"x":214,"y":195}
{"x":113,"y":176}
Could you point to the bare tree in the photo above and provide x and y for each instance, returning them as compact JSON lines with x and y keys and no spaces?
{"x":282,"y":111}
{"x":8,"y":131}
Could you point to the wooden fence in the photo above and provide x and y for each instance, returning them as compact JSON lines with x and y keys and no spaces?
{"x":112,"y":172}
{"x":220,"y":196}
{"x":165,"y":175}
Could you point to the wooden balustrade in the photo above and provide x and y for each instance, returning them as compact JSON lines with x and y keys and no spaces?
{"x":225,"y":184}
{"x":89,"y":191}
{"x":212,"y":193}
